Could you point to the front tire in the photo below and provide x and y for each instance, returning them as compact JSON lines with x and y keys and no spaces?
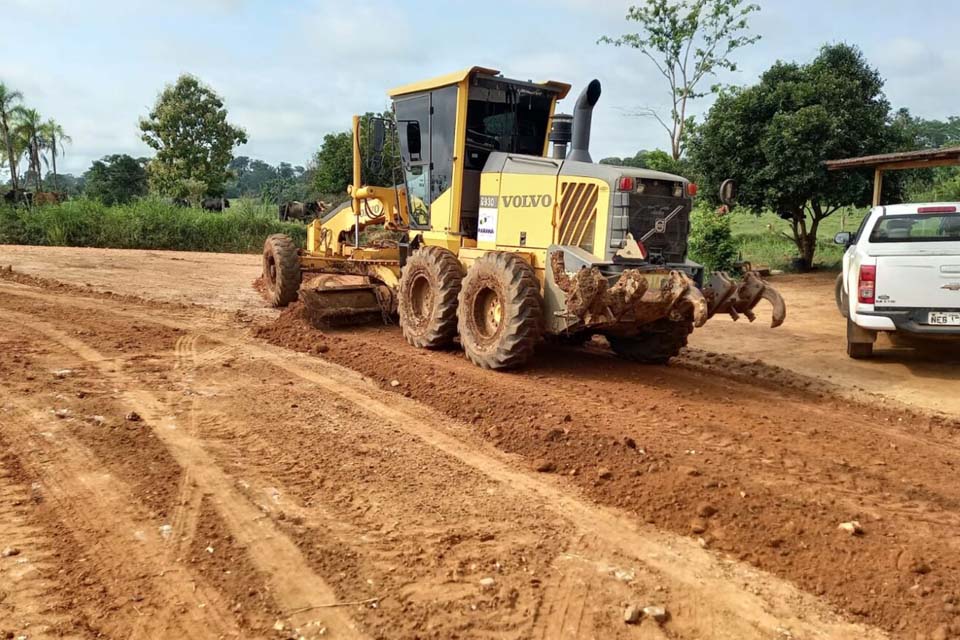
{"x":657,"y":343}
{"x":281,"y":270}
{"x":501,"y":311}
{"x":429,"y":286}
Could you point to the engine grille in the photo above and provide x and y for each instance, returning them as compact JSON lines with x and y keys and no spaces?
{"x":669,"y":238}
{"x":578,"y":214}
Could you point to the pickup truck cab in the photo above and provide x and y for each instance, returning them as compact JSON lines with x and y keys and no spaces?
{"x":901,"y":274}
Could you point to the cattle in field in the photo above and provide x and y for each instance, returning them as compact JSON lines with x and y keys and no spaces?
{"x":305,"y":211}
{"x":41,"y":198}
{"x":18,"y":196}
{"x":214,"y":204}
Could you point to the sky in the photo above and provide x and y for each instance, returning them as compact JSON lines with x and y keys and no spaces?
{"x":292,"y":71}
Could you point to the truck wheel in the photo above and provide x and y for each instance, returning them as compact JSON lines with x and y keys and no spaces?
{"x":501,"y":311}
{"x":281,"y":270}
{"x":657,"y":343}
{"x":841,"y":297}
{"x":858,"y":350}
{"x":429,"y":285}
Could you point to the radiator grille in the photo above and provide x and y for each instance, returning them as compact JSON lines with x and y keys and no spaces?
{"x":578,"y":214}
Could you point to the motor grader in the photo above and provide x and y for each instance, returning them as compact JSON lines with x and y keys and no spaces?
{"x":491,"y":239}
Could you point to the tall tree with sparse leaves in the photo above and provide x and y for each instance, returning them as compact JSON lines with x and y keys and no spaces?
{"x":687,"y":41}
{"x":29,"y":131}
{"x":55,"y":137}
{"x":9,"y":101}
{"x":194,"y":142}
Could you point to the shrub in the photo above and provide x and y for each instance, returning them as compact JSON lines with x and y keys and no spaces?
{"x":711,"y":240}
{"x":144,"y":224}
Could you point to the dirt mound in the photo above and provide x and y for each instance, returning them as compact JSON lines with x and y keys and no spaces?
{"x":292,"y":330}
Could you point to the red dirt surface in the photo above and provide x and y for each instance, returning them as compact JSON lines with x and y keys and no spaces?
{"x":714,"y":487}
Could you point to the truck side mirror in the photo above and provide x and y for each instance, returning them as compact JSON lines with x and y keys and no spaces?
{"x":844,"y":238}
{"x":379,"y":135}
{"x":728,"y":192}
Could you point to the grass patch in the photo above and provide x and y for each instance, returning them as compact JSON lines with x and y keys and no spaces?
{"x":145,"y":224}
{"x":761,"y":239}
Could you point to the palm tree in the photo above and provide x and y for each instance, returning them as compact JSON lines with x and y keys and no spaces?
{"x":29,"y":129}
{"x":9,"y":101}
{"x":55,"y":137}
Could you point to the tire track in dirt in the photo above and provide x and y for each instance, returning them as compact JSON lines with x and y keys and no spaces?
{"x":28,"y":592}
{"x":697,"y":580}
{"x":295,"y":588}
{"x":101,"y":512}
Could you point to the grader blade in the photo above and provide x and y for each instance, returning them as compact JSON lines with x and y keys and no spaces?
{"x":723,"y":295}
{"x":343,"y":305}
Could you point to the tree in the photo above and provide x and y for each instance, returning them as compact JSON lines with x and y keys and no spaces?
{"x":116,"y":179}
{"x":334,"y":160}
{"x":334,"y":163}
{"x":9,"y":102}
{"x":687,"y":40}
{"x":773,"y":137}
{"x":188,"y":128}
{"x":55,"y":137}
{"x":29,"y":131}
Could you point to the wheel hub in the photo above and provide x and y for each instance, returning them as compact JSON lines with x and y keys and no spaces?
{"x":488,"y":313}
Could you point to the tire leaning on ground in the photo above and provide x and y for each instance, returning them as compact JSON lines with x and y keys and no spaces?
{"x":659,"y":341}
{"x":501,"y":311}
{"x":281,"y":270}
{"x":429,"y":286}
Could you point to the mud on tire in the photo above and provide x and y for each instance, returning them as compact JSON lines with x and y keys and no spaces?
{"x":501,"y":311}
{"x":429,"y":286}
{"x":281,"y":270}
{"x":657,"y":343}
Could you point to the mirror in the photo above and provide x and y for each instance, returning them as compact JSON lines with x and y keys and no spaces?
{"x":413,"y":141}
{"x":843,"y":238}
{"x":728,"y":192}
{"x":379,"y":135}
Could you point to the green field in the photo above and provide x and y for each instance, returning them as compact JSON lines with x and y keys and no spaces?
{"x":146,"y":224}
{"x":762,"y":241}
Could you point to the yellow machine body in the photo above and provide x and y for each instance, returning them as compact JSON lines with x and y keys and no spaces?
{"x":605,"y":245}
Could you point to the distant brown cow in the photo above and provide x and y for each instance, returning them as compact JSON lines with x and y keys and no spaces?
{"x":48,"y":197}
{"x":305,"y":211}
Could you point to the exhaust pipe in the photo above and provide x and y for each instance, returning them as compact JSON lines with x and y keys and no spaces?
{"x":582,"y":115}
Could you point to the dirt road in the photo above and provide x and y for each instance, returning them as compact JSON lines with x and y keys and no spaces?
{"x":171,"y":470}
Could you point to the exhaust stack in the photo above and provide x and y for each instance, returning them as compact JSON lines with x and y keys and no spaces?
{"x":582,"y":116}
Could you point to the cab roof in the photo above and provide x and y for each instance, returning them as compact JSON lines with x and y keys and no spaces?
{"x":560,"y":88}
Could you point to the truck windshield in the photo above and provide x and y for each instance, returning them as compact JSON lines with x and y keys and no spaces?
{"x":944,"y":227}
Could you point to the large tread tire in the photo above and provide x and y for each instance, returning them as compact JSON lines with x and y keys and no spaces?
{"x":429,"y":287}
{"x":501,"y":311}
{"x":659,"y":341}
{"x":281,"y":270}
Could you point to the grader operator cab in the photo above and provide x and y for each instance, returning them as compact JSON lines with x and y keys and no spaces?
{"x":489,"y":238}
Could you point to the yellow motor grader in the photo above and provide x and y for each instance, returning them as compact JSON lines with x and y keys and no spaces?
{"x":491,"y":238}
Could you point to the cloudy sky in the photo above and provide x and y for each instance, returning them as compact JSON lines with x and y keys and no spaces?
{"x":292,"y":71}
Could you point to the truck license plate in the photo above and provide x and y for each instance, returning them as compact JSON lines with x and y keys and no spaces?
{"x":944,"y":319}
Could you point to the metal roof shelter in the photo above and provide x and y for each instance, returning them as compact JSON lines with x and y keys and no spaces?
{"x":926,"y":159}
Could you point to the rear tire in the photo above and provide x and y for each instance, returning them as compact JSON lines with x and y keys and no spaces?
{"x":429,"y":286}
{"x":281,"y":270}
{"x":501,"y":311}
{"x":659,"y":341}
{"x":857,"y":350}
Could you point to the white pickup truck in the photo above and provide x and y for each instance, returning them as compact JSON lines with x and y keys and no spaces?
{"x":901,"y":273}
